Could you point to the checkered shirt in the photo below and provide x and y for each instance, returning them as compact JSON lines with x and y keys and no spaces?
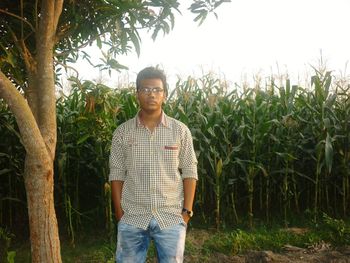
{"x":149,"y":163}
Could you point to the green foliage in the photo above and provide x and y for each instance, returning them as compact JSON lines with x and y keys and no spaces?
{"x":5,"y":241}
{"x":263,"y":152}
{"x":202,"y":244}
{"x":12,"y":194}
{"x":336,"y":230}
{"x":202,"y":7}
{"x":240,"y":241}
{"x":11,"y":256}
{"x":113,"y":25}
{"x":86,"y":119}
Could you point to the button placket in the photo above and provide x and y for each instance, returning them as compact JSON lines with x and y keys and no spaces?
{"x":152,"y":171}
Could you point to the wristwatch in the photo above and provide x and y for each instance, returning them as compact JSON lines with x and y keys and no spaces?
{"x":190,"y":213}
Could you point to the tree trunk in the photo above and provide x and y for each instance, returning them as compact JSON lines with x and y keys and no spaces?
{"x":36,"y":119}
{"x":38,"y":177}
{"x":45,"y":243}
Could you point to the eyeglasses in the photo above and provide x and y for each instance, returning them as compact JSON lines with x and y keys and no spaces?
{"x":149,"y":90}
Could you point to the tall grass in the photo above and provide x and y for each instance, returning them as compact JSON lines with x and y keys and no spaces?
{"x":272,"y":151}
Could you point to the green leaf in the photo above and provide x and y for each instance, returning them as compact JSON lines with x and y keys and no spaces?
{"x":84,"y":138}
{"x":116,"y":65}
{"x":11,"y":256}
{"x":219,"y":168}
{"x":327,"y":122}
{"x":329,"y":153}
{"x":98,"y":42}
{"x":136,"y":41}
{"x":4,"y":171}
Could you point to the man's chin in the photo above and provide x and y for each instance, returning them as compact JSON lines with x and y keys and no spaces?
{"x":151,"y":109}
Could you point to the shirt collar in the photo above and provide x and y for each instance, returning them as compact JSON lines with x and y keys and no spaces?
{"x":163,"y":120}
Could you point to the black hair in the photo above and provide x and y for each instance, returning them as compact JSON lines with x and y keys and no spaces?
{"x":151,"y":73}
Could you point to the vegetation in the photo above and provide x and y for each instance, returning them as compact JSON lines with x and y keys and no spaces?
{"x":266,"y":152}
{"x":204,"y":245}
{"x":36,"y":37}
{"x":5,"y":242}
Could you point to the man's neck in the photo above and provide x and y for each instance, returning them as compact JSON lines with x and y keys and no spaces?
{"x":150,"y":119}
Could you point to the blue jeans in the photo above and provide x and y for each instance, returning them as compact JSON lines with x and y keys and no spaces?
{"x":133,"y":243}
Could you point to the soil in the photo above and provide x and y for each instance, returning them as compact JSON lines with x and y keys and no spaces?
{"x":320,"y":253}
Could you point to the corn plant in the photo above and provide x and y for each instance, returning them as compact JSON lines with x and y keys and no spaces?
{"x":87,"y":118}
{"x":12,"y":197}
{"x":264,"y":152}
{"x":343,"y":142}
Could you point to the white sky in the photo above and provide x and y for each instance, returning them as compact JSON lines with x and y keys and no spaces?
{"x":249,"y":37}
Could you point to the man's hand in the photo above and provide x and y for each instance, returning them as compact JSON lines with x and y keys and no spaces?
{"x":186,"y":217}
{"x":119,"y":214}
{"x":117,"y":187}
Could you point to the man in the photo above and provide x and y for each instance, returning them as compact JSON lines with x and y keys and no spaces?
{"x":153,"y":174}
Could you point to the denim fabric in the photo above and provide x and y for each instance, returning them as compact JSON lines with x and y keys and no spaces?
{"x":133,"y":243}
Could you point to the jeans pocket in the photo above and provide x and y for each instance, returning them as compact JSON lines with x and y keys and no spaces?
{"x":183,"y":224}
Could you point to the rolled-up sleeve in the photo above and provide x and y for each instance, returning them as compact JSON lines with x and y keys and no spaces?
{"x":187,"y":156}
{"x":117,"y":170}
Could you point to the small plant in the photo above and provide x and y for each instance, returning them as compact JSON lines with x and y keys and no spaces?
{"x":241,"y":241}
{"x":5,"y":241}
{"x":337,"y":231}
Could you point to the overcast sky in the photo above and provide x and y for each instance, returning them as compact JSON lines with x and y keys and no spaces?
{"x":249,"y":37}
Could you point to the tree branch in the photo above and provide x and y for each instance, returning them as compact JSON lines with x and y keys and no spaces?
{"x":30,"y":65}
{"x":36,"y":13}
{"x":44,"y":77}
{"x":26,"y":55}
{"x":68,"y":67}
{"x":30,"y":133}
{"x":79,"y":47}
{"x":58,"y":11}
{"x":18,"y":17}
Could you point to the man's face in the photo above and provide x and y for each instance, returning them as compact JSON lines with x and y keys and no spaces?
{"x":151,"y":95}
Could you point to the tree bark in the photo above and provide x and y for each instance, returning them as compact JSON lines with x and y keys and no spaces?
{"x":38,"y":176}
{"x":44,"y":236}
{"x":37,"y":125}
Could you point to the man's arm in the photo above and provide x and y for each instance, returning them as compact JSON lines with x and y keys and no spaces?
{"x":117,"y":171}
{"x":117,"y":187}
{"x":189,"y":192}
{"x":188,"y":168}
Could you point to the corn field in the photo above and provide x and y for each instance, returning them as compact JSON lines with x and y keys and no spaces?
{"x":272,"y":152}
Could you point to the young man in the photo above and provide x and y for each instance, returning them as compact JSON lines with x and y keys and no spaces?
{"x":153,"y":174}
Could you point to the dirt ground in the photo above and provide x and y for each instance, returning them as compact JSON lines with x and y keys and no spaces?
{"x":322,"y":253}
{"x":295,"y":257}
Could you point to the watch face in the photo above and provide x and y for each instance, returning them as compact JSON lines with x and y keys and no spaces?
{"x":190,"y":213}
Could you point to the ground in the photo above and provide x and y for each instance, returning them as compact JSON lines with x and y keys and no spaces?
{"x":97,"y":250}
{"x":321,"y":253}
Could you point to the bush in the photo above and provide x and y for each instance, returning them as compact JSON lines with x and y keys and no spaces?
{"x":5,"y":241}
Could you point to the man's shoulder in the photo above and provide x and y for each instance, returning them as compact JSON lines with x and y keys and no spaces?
{"x":176,"y":124}
{"x":126,"y":126}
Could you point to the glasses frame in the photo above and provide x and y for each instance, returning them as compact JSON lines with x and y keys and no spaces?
{"x":148,"y":90}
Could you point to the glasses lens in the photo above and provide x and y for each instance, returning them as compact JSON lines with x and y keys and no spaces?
{"x":149,"y":90}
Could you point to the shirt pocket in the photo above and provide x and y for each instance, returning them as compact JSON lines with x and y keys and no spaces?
{"x":170,"y":155}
